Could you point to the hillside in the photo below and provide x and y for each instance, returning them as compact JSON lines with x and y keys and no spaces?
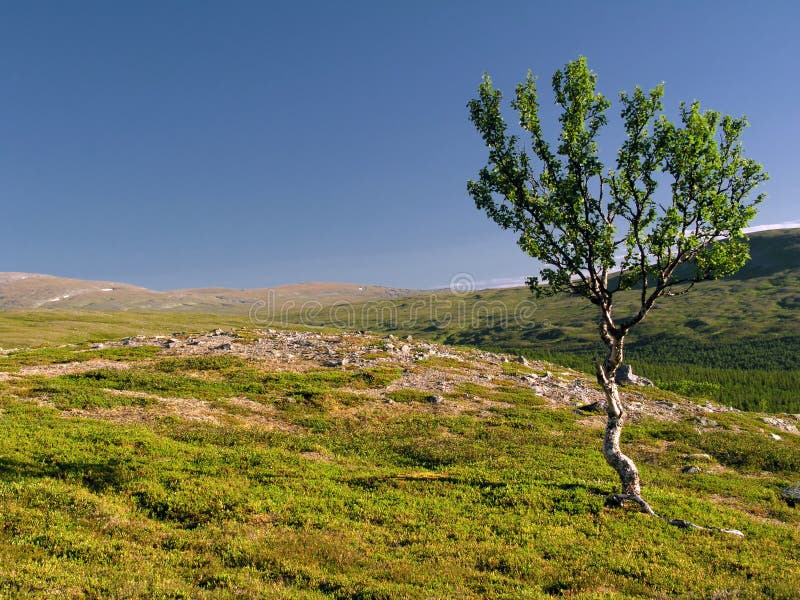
{"x":280,"y":464}
{"x":735,"y":340}
{"x":33,"y":291}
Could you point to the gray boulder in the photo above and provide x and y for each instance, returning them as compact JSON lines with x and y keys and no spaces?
{"x":625,"y":376}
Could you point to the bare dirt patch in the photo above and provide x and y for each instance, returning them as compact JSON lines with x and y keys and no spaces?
{"x":55,"y":370}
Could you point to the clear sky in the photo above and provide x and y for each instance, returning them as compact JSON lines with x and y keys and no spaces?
{"x":185,"y":143}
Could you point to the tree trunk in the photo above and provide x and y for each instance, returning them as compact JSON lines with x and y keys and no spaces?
{"x":622,"y":464}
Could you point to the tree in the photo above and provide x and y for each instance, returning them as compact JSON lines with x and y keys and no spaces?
{"x":601,"y":231}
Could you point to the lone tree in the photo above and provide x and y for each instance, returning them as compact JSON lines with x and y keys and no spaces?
{"x":601,"y":231}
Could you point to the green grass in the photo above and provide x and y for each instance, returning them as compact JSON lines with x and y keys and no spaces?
{"x":372,"y":502}
{"x":33,"y":328}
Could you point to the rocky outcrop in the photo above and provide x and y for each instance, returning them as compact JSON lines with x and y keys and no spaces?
{"x":625,"y":376}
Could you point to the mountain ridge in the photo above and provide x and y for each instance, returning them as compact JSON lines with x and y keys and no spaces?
{"x":41,"y":291}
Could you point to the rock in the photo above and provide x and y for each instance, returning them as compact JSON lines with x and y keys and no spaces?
{"x":706,"y":422}
{"x":625,"y":376}
{"x":99,"y":346}
{"x":593,"y":407}
{"x":699,"y":456}
{"x":338,"y":362}
{"x":691,"y":470}
{"x":666,"y":404}
{"x":775,"y":437}
{"x":171,"y":343}
{"x":435,"y":399}
{"x":522,"y":360}
{"x":791,"y":494}
{"x":409,"y":338}
{"x":781,"y":424}
{"x":504,"y":359}
{"x":684,"y":524}
{"x":389,"y":347}
{"x":217,"y":332}
{"x":225,"y":346}
{"x":735,"y":532}
{"x":405,"y":348}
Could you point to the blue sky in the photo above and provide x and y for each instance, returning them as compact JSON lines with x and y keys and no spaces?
{"x":182,"y":144}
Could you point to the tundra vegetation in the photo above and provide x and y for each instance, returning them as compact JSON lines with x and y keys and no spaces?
{"x":602,"y":231}
{"x":203,"y":472}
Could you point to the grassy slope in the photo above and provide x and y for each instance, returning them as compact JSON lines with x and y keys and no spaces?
{"x":26,"y":329}
{"x":361,"y":502}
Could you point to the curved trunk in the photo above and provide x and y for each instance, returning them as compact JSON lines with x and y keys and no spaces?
{"x":622,"y":464}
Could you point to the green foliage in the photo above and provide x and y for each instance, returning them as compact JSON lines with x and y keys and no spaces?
{"x":65,"y":354}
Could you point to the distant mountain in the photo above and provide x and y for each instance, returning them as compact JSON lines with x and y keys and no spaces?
{"x":35,"y":291}
{"x":772,"y":252}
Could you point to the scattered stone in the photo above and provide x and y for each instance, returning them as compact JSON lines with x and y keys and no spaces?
{"x":338,"y":362}
{"x":699,"y":456}
{"x":735,"y":532}
{"x":691,"y":470}
{"x":435,"y":399}
{"x":522,"y":360}
{"x":625,"y":376}
{"x":781,"y":424}
{"x":791,"y":494}
{"x":225,"y":346}
{"x":684,"y":524}
{"x":666,"y":404}
{"x":405,"y":348}
{"x":706,"y":422}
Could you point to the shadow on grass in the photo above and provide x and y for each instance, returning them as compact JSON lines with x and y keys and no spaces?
{"x":97,"y":476}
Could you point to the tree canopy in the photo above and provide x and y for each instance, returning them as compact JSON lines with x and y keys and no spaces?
{"x":586,"y":221}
